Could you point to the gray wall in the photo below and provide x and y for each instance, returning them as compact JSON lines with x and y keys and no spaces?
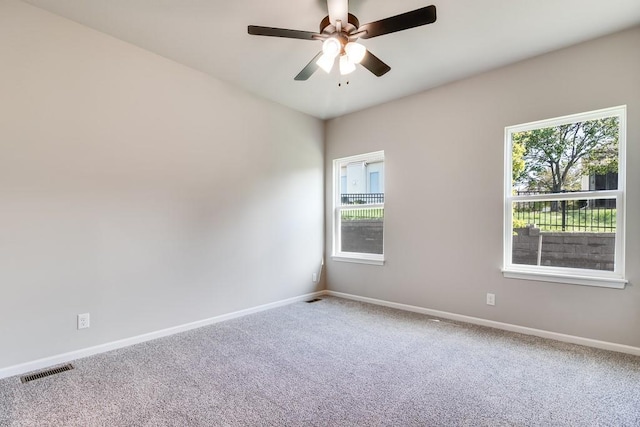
{"x":444,"y":171}
{"x":141,"y":191}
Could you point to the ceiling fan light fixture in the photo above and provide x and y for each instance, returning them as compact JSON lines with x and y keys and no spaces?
{"x":346,"y":65}
{"x":331,"y":47}
{"x":339,"y":28}
{"x":355,"y":51}
{"x":326,"y":62}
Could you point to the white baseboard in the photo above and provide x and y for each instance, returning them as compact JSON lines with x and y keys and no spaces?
{"x":621,"y":348}
{"x":90,"y":351}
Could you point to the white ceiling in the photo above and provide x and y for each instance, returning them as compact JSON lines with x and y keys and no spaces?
{"x":470,"y":36}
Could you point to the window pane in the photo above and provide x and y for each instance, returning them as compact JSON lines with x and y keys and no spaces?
{"x":577,"y":163}
{"x":359,"y":207}
{"x":361,"y":230}
{"x":565,"y":233}
{"x":577,"y":156}
{"x":361,"y":183}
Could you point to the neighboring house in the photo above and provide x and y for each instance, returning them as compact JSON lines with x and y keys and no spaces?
{"x":594,"y":182}
{"x":362,"y":177}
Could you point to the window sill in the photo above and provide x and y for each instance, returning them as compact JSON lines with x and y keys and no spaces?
{"x":359,"y":259}
{"x":572,"y":279}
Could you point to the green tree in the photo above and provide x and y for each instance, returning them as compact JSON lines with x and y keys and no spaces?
{"x":517,"y":161}
{"x":556,"y":157}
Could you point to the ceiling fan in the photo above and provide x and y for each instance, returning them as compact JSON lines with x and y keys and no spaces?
{"x":339,"y":32}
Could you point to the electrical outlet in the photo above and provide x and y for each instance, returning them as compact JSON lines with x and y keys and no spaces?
{"x":83,"y":321}
{"x":491,"y":299}
{"x":314,"y":277}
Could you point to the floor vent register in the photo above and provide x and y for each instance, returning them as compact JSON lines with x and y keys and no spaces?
{"x":42,"y":374}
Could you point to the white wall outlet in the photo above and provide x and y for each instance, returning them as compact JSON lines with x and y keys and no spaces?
{"x":491,"y":299}
{"x":83,"y":321}
{"x":314,"y":277}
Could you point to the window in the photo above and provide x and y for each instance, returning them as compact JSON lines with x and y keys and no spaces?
{"x":358,"y":223}
{"x":374,"y":182}
{"x":564,"y":199}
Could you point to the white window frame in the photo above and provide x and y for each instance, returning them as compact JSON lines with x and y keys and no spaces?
{"x":337,"y":254}
{"x":608,"y":279}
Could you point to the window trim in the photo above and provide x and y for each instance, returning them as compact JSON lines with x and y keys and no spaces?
{"x":609,"y":279}
{"x":354,"y":257}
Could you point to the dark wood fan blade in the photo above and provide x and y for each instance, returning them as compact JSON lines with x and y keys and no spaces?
{"x":374,"y":64}
{"x":309,"y":69}
{"x":404,"y":21}
{"x":282,"y":32}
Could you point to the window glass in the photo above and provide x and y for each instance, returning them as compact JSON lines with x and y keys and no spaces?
{"x":359,"y":207}
{"x":564,"y":196}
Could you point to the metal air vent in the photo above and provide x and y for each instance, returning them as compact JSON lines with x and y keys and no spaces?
{"x":48,"y":372}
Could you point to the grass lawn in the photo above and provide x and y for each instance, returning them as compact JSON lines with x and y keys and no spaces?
{"x":362,"y":213}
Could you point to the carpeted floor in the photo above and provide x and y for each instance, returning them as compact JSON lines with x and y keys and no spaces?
{"x":335,"y":362}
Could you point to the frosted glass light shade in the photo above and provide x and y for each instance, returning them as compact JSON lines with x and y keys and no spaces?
{"x":346,"y":65}
{"x":331,"y":47}
{"x":356,"y":52}
{"x":326,"y":62}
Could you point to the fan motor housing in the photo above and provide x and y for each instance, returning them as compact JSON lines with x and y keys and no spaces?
{"x":353,"y":25}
